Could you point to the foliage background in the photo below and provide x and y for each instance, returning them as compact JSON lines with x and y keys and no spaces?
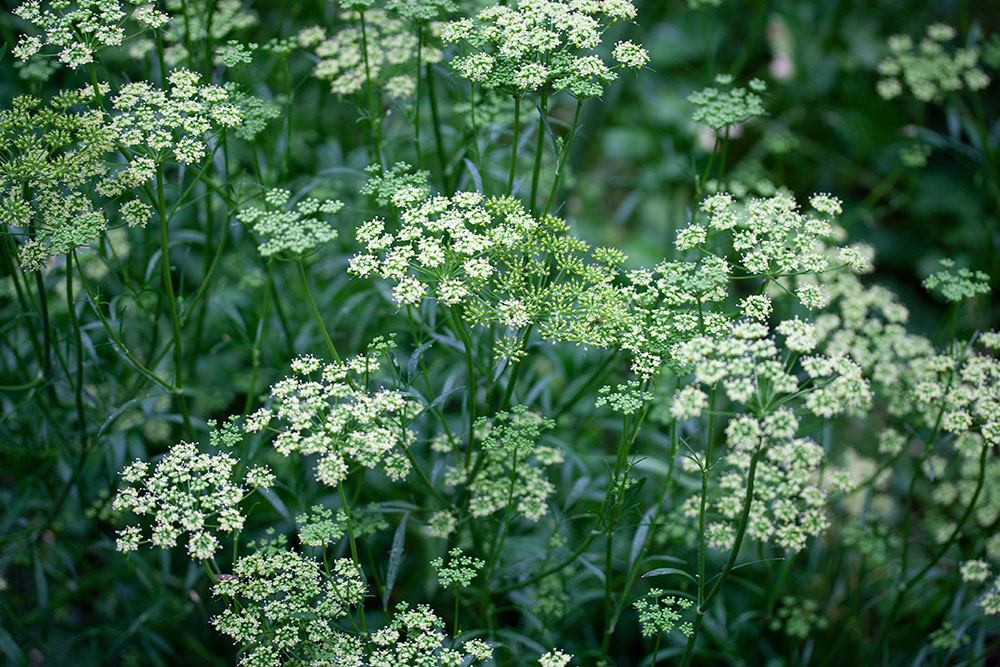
{"x":69,"y":598}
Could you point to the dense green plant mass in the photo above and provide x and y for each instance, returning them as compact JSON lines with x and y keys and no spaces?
{"x":536,"y":332}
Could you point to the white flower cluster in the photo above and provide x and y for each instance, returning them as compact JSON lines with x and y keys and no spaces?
{"x":543,"y":43}
{"x":515,"y":468}
{"x":416,"y":637}
{"x":773,"y":239}
{"x":747,"y":365}
{"x":80,"y":29}
{"x":927,"y":69}
{"x":217,"y":21}
{"x":489,"y":256}
{"x":326,"y":409}
{"x":391,"y":54}
{"x":291,"y":231}
{"x":723,"y":106}
{"x":284,"y":606}
{"x":788,"y":505}
{"x":60,"y":149}
{"x":961,"y":388}
{"x":187,"y":492}
{"x":179,"y":120}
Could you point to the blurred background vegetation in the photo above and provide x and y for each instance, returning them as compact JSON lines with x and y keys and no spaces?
{"x":918,"y":181}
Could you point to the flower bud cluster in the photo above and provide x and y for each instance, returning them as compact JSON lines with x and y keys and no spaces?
{"x":542,"y":44}
{"x":327,"y":410}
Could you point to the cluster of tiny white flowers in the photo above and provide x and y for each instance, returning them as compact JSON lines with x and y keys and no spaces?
{"x":391,"y":54}
{"x":459,"y":570}
{"x":555,"y":658}
{"x":416,"y":637}
{"x":721,"y":107}
{"x":542,"y":43}
{"x":284,"y":604}
{"x":187,"y":492}
{"x":927,"y":69}
{"x":62,"y":147}
{"x":660,"y":614}
{"x":325,"y":409}
{"x":179,"y":120}
{"x":218,"y":21}
{"x":957,"y":285}
{"x":291,"y":230}
{"x":81,"y":29}
{"x":491,"y":257}
{"x":514,"y":471}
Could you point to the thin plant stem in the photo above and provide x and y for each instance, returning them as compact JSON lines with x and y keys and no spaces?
{"x":171,"y":299}
{"x":436,"y":122}
{"x":374,"y":115}
{"x":728,"y":567}
{"x":417,"y":96}
{"x":561,"y":167}
{"x":539,"y":149}
{"x":315,"y":310}
{"x":513,"y":148}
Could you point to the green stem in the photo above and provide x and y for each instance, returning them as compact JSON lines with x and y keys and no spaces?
{"x":416,"y":103}
{"x":513,"y":148}
{"x":562,"y":159}
{"x":539,"y":149}
{"x":728,"y":567}
{"x":258,"y":340}
{"x":315,"y":310}
{"x":354,"y":545}
{"x":168,"y":287}
{"x":436,"y":120}
{"x":374,"y":115}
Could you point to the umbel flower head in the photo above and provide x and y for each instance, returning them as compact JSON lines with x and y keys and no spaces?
{"x":284,"y":606}
{"x":175,"y":124}
{"x":57,"y":151}
{"x":217,"y":21}
{"x":541,"y":44}
{"x":327,"y":409}
{"x":495,"y":260}
{"x":190,"y":492}
{"x":392,"y":47}
{"x":514,"y":471}
{"x":773,"y":238}
{"x":291,"y":230}
{"x":79,"y":30}
{"x":928,"y":69}
{"x":788,"y":506}
{"x":726,"y":105}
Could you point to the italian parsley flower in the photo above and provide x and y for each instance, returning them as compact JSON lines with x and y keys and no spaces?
{"x":325,"y":409}
{"x":187,"y":492}
{"x":929,"y":70}
{"x":285,"y":605}
{"x":415,"y":636}
{"x":391,"y":54}
{"x":176,"y":122}
{"x":659,"y":614}
{"x":80,"y":30}
{"x":541,"y":44}
{"x":291,"y":230}
{"x":459,"y":571}
{"x":630,"y":55}
{"x":515,"y":467}
{"x":957,"y":285}
{"x":555,"y":658}
{"x":724,"y":106}
{"x":62,"y":148}
{"x":975,"y":570}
